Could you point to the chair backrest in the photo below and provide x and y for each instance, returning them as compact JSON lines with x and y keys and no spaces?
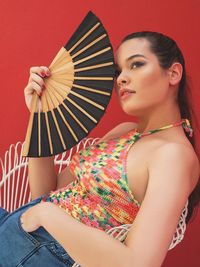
{"x":14,"y":187}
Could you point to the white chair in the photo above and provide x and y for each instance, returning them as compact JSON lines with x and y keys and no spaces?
{"x":14,"y":188}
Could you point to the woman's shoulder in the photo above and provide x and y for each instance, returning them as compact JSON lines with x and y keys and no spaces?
{"x":118,"y":130}
{"x":182,"y":150}
{"x":173,"y":155}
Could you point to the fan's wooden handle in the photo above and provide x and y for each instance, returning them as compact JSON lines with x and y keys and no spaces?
{"x":30,"y":124}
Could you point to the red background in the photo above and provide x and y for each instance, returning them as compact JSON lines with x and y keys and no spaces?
{"x":33,"y":31}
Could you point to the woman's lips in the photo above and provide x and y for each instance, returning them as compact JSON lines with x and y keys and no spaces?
{"x":124,"y":93}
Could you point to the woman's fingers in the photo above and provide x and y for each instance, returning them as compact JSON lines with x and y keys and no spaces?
{"x":35,"y":83}
{"x":37,"y":79}
{"x":42,"y":71}
{"x":45,"y":71}
{"x":28,"y":94}
{"x":31,"y":87}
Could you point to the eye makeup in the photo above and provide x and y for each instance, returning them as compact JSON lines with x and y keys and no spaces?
{"x":137,"y":64}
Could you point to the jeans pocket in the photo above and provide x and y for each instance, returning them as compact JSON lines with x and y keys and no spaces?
{"x":58,"y":251}
{"x":26,"y":234}
{"x":42,"y":257}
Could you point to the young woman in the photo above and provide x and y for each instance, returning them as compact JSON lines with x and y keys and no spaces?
{"x":137,"y":173}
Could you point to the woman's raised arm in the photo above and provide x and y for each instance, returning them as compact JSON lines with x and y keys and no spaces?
{"x":41,"y":172}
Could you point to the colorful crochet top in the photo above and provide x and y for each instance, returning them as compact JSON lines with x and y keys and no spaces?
{"x":100,"y":196}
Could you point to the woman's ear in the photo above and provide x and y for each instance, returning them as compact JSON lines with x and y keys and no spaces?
{"x":175,"y":73}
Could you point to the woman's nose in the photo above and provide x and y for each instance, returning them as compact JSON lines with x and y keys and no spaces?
{"x":122,"y":79}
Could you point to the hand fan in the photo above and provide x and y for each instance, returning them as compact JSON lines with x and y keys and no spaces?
{"x":77,"y":92}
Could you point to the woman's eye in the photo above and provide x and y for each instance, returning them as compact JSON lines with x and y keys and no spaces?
{"x":137,"y":64}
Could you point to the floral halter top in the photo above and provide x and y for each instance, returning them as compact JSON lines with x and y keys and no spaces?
{"x":100,"y":196}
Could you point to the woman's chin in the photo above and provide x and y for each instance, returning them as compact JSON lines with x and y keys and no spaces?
{"x":129,"y":109}
{"x":134,"y":109}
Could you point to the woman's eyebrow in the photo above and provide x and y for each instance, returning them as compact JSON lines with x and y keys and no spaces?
{"x":134,"y":56}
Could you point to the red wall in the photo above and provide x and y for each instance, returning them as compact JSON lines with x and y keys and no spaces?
{"x":33,"y":31}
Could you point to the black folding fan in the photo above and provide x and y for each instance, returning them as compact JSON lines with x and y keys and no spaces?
{"x":77,"y":92}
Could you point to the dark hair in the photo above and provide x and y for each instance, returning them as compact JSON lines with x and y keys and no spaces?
{"x":168,"y":52}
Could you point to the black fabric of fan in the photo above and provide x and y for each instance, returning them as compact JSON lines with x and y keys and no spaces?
{"x":77,"y":92}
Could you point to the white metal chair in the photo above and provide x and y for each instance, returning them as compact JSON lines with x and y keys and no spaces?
{"x":14,"y":188}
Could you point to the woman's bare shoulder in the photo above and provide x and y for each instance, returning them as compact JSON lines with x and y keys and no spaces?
{"x":175,"y":154}
{"x":118,"y":130}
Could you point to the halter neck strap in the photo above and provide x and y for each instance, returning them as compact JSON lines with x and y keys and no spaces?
{"x":184,"y":122}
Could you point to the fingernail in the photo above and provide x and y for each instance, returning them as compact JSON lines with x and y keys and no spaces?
{"x":43,"y":74}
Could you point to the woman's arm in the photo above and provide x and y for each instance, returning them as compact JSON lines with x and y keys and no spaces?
{"x":86,"y":245}
{"x":41,"y":171}
{"x":173,"y":172}
{"x":42,"y":176}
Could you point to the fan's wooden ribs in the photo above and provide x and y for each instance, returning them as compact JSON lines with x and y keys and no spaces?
{"x":91,"y":89}
{"x":84,"y":36}
{"x":76,"y":94}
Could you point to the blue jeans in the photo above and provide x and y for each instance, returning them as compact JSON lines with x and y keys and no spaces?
{"x":19,"y":248}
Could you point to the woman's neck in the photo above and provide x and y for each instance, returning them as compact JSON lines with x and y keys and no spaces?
{"x":161,"y":116}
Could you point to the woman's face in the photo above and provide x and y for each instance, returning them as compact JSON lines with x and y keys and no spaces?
{"x":142,"y":84}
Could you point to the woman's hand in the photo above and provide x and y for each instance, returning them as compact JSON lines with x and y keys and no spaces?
{"x":35,"y":84}
{"x":31,"y":219}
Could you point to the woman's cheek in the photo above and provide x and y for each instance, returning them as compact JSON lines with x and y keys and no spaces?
{"x":149,"y":78}
{"x":153,"y":81}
